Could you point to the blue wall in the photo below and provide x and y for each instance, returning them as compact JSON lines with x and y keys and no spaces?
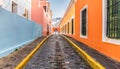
{"x":16,"y":31}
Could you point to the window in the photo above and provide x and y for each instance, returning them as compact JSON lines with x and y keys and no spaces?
{"x":14,"y":7}
{"x":72,"y":26}
{"x":62,"y":29}
{"x":25,"y":13}
{"x":65,"y":28}
{"x":84,"y":22}
{"x":1,"y":3}
{"x":110,"y":21}
{"x":45,"y":8}
{"x":48,"y":29}
{"x":68,"y":27}
{"x":113,"y":19}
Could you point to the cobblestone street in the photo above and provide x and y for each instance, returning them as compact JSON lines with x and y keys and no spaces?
{"x":57,"y":53}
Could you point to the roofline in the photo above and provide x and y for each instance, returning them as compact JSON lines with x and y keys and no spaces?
{"x":72,"y":2}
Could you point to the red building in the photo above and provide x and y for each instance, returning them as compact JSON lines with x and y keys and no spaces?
{"x":41,"y":13}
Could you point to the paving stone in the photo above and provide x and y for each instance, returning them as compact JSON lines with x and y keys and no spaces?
{"x":57,"y":53}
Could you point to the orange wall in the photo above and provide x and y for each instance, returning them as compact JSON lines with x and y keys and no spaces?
{"x":54,"y":28}
{"x":94,"y":38}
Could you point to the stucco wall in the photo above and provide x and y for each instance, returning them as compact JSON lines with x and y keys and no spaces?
{"x":70,"y":13}
{"x":16,"y":31}
{"x":95,"y":28}
{"x":39,"y":15}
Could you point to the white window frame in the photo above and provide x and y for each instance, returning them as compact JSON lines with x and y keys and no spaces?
{"x":82,"y":36}
{"x":15,"y":2}
{"x":104,"y":25}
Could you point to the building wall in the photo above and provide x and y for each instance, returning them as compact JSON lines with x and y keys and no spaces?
{"x":95,"y":28}
{"x":16,"y":31}
{"x":21,"y":6}
{"x":55,"y":29}
{"x":70,"y":13}
{"x":39,"y":15}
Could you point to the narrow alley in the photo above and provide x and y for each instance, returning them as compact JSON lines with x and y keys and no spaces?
{"x":60,"y":34}
{"x":57,"y":53}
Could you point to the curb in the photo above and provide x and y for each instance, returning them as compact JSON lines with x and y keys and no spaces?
{"x":93,"y":63}
{"x":29,"y":56}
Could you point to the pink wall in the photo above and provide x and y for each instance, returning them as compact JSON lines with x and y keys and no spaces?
{"x":38,"y":14}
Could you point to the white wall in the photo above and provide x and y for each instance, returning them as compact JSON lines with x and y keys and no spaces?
{"x":22,"y":4}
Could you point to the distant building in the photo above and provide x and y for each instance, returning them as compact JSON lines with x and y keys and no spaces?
{"x":20,"y":7}
{"x":42,"y":14}
{"x":55,"y":25}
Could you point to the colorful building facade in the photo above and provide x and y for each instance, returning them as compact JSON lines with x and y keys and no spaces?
{"x":55,"y":25}
{"x":67,"y":22}
{"x":20,"y":7}
{"x":55,"y":29}
{"x":41,"y":13}
{"x":96,"y":25}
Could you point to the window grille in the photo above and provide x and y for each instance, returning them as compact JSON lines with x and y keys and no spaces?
{"x":83,"y":21}
{"x":72,"y":26}
{"x":113,"y":19}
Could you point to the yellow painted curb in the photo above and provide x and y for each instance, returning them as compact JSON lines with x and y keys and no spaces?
{"x":27,"y":58}
{"x":93,"y":63}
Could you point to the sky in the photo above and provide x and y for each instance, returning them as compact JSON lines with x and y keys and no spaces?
{"x":58,"y":7}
